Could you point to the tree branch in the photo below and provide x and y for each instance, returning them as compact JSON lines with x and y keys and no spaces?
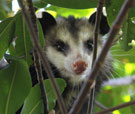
{"x":117,"y":107}
{"x":101,"y":106}
{"x":37,"y":60}
{"x":99,"y":62}
{"x":43,"y":58}
{"x":95,"y":41}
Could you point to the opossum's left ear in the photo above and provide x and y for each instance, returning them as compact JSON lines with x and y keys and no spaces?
{"x":104,"y":26}
{"x":47,"y":21}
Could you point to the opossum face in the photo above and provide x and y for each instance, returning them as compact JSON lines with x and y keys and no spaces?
{"x":69,"y":46}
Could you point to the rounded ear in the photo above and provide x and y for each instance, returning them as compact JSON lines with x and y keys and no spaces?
{"x":47,"y":21}
{"x":104,"y":26}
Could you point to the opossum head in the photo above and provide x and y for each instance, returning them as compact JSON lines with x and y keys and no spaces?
{"x":69,"y":44}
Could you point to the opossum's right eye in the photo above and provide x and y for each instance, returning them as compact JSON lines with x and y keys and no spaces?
{"x":61,"y":46}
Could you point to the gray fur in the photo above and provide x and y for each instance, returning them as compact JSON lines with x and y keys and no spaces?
{"x":74,"y":33}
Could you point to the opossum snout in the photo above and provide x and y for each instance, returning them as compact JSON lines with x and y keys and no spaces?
{"x":79,"y":66}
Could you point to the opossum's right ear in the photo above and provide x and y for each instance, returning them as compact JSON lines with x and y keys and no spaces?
{"x":47,"y":21}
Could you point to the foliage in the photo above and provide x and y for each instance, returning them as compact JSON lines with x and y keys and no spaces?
{"x":15,"y":39}
{"x":13,"y":92}
{"x":33,"y":103}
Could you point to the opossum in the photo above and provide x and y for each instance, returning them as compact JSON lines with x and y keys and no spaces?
{"x":69,"y":50}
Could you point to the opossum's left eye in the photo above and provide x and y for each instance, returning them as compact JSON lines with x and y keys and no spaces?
{"x":61,"y":46}
{"x":89,"y":44}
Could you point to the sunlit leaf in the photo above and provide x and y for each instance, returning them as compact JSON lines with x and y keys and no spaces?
{"x":126,"y":98}
{"x":75,"y":12}
{"x":116,"y":112}
{"x":15,"y":84}
{"x":33,"y":103}
{"x":129,"y":68}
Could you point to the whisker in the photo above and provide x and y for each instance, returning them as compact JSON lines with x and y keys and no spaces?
{"x":124,"y":55}
{"x":116,"y":73}
{"x":115,"y":50}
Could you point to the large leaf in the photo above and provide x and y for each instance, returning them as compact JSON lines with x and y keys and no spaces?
{"x":74,"y":4}
{"x":33,"y":104}
{"x":15,"y":84}
{"x":39,"y":3}
{"x":6,"y":34}
{"x":75,"y":12}
{"x":112,"y":8}
{"x":128,"y":30}
{"x":23,"y":44}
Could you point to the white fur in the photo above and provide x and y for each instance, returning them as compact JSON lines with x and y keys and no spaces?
{"x":64,"y":63}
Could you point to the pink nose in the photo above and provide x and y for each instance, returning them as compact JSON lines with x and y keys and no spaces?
{"x":79,"y":66}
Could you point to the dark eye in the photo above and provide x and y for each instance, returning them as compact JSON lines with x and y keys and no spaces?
{"x":61,"y":46}
{"x":89,"y":44}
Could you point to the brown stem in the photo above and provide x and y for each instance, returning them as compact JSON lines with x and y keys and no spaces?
{"x":99,"y":62}
{"x":96,"y":29}
{"x":95,"y":41}
{"x":38,"y":68}
{"x":43,"y":58}
{"x":117,"y":107}
{"x":101,"y":106}
{"x":37,"y":60}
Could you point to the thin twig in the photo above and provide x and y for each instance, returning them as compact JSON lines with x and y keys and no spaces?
{"x":43,"y":59}
{"x":117,"y":107}
{"x":99,"y":62}
{"x":37,"y":60}
{"x":117,"y":39}
{"x":38,"y":68}
{"x":101,"y":106}
{"x":95,"y":41}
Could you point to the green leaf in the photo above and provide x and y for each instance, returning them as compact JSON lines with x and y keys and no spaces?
{"x":3,"y":14}
{"x":74,"y":4}
{"x":6,"y":35}
{"x":23,"y":44}
{"x":123,"y":56}
{"x":75,"y":12}
{"x":40,"y":34}
{"x":39,"y":3}
{"x":33,"y":104}
{"x":15,"y":84}
{"x":133,"y":106}
{"x":5,"y":8}
{"x":112,"y":8}
{"x":128,"y":31}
